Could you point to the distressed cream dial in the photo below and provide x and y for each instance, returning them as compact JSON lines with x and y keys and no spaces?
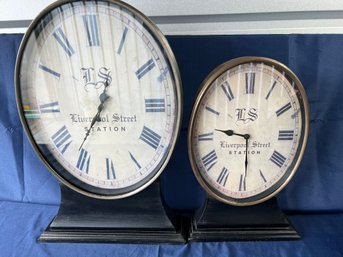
{"x":99,"y":93}
{"x":248,"y":130}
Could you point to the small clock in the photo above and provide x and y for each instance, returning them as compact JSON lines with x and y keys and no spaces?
{"x":248,"y":130}
{"x":99,"y":95}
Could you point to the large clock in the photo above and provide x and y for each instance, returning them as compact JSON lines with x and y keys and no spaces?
{"x":99,"y":95}
{"x":248,"y":130}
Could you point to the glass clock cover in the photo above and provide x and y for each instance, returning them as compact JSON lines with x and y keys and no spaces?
{"x":98,"y":92}
{"x":248,"y":130}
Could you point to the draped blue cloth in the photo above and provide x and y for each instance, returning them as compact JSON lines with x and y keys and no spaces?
{"x":29,"y":194}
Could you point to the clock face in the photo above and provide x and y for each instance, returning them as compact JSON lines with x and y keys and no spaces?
{"x":99,"y":94}
{"x":248,"y":130}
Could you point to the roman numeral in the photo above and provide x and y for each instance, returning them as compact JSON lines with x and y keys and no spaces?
{"x":62,"y":139}
{"x":122,"y":40}
{"x":209,"y":160}
{"x":249,"y":83}
{"x":135,"y":161}
{"x":286,"y":134}
{"x":154,"y":105}
{"x":211,"y":110}
{"x":278,"y":159}
{"x":91,"y":25}
{"x":63,"y":42}
{"x":150,"y":137}
{"x":50,"y":71}
{"x":145,"y":68}
{"x":263,"y":177}
{"x":50,"y":107}
{"x":206,"y":137}
{"x":83,"y":161}
{"x":283,"y":109}
{"x":242,"y":186}
{"x":270,"y":90}
{"x":110,"y":169}
{"x":222,"y":178}
{"x":227,"y":90}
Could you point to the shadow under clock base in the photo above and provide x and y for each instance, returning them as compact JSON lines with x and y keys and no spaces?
{"x":141,"y":218}
{"x":217,"y":221}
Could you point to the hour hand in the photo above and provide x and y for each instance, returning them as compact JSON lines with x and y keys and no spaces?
{"x":227,"y":132}
{"x":230,"y":132}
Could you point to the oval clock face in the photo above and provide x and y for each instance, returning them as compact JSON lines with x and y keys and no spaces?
{"x":98,"y":92}
{"x":248,"y":130}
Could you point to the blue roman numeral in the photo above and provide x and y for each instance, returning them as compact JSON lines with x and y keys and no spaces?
{"x":110,"y":169}
{"x":286,"y":134}
{"x":122,"y":40}
{"x":63,"y":42}
{"x":209,"y":160}
{"x":62,"y":139}
{"x":211,"y":110}
{"x":249,"y":83}
{"x":154,"y":105}
{"x":145,"y":68}
{"x":242,"y":184}
{"x":271,"y":89}
{"x":227,"y":90}
{"x":278,"y":159}
{"x":263,"y":177}
{"x":83,"y":161}
{"x":206,"y":137}
{"x":135,"y":161}
{"x":50,"y":107}
{"x":50,"y":71}
{"x":222,"y":178}
{"x":283,"y":109}
{"x":150,"y":137}
{"x":91,"y":25}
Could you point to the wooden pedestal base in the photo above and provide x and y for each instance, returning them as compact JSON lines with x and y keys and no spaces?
{"x":216,"y":221}
{"x":141,"y":218}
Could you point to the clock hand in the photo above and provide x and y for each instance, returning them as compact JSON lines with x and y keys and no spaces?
{"x":246,"y":156}
{"x":94,"y":120}
{"x":230,"y":132}
{"x":103,"y":97}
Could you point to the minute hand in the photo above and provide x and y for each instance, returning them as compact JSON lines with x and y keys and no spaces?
{"x":94,"y":120}
{"x":103,"y":97}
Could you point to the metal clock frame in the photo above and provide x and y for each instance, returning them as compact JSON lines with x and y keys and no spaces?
{"x":304,"y":106}
{"x":175,"y":75}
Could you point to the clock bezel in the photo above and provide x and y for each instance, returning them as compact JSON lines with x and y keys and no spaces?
{"x":293,"y":167}
{"x":67,"y":178}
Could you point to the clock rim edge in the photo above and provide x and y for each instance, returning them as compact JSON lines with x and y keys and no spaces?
{"x":163,"y":44}
{"x":204,"y":86}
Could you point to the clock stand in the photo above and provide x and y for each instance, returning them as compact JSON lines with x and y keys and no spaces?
{"x":216,"y":221}
{"x":141,"y":218}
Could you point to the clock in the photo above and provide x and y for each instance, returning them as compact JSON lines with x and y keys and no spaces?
{"x":99,"y":95}
{"x":248,"y":130}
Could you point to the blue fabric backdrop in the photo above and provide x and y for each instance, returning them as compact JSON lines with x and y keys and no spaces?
{"x":317,"y":186}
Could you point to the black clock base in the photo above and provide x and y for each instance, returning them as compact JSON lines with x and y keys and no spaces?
{"x":141,"y":218}
{"x":216,"y":221}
